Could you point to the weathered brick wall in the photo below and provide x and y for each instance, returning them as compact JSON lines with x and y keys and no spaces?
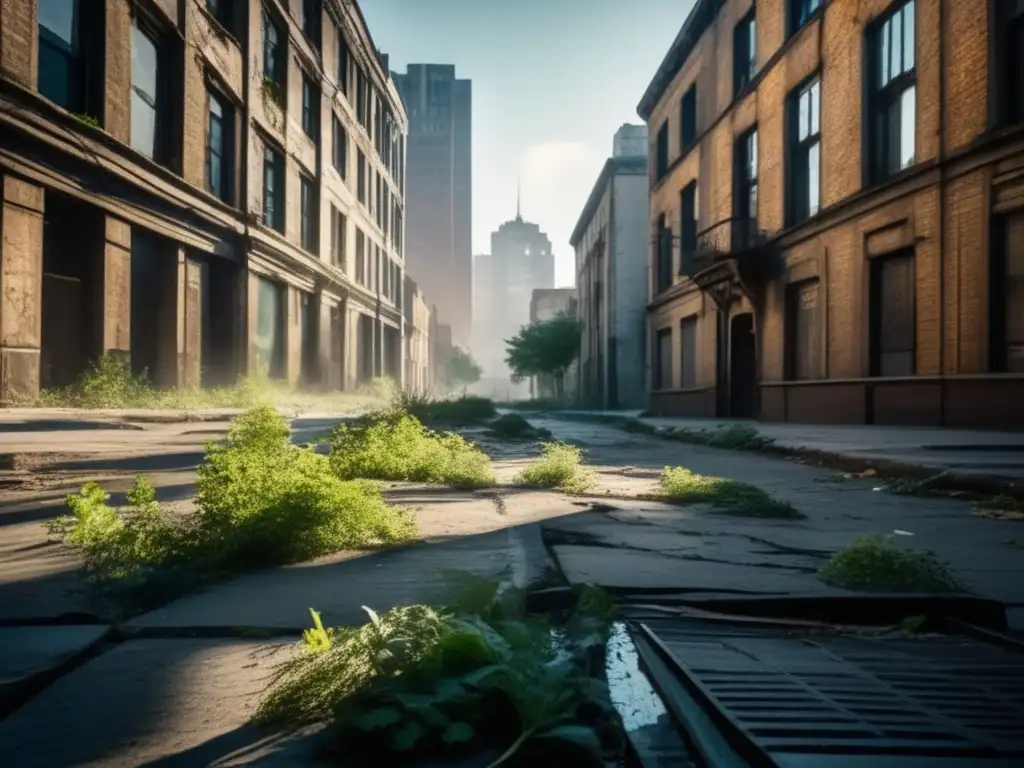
{"x":117,"y":100}
{"x":967,"y":49}
{"x":19,"y":56}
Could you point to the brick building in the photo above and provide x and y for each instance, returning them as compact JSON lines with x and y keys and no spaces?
{"x":837,"y":212}
{"x":210,"y":187}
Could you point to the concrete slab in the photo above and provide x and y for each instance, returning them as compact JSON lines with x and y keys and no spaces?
{"x":142,"y":701}
{"x":30,"y":655}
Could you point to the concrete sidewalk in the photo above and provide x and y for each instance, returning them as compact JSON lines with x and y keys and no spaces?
{"x":957,"y":451}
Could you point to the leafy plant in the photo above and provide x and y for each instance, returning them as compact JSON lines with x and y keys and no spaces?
{"x":271,"y":90}
{"x":875,"y":563}
{"x":450,"y":411}
{"x":260,"y":501}
{"x":680,"y":485}
{"x":440,"y":682}
{"x":545,"y":347}
{"x":559,"y":466}
{"x":87,"y":119}
{"x":396,"y":446}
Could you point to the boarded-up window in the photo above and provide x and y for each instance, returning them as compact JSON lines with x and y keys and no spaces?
{"x":1008,"y":295}
{"x":803,"y":342}
{"x":663,"y":359}
{"x":893,"y":315}
{"x":269,"y":338}
{"x":688,"y":351}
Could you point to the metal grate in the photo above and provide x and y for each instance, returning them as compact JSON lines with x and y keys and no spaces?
{"x":833,"y":694}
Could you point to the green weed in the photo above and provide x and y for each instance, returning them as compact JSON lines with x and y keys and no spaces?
{"x":875,"y":563}
{"x":396,"y":446}
{"x":682,"y":486}
{"x":461,"y":411}
{"x":736,"y":437}
{"x":441,"y":683}
{"x":512,"y":426}
{"x":560,"y":466}
{"x":260,"y":501}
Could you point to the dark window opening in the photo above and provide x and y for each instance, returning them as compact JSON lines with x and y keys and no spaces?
{"x":223,"y":12}
{"x":805,"y":153}
{"x":149,"y":92}
{"x":340,"y":148}
{"x":893,"y":315}
{"x":273,"y":188}
{"x":71,"y":66}
{"x":342,"y":63}
{"x":688,"y":119}
{"x":664,"y":255}
{"x":308,"y":218}
{"x":745,"y":196}
{"x":688,"y":351}
{"x":219,"y":144}
{"x":661,"y":152}
{"x":800,"y":12}
{"x":309,"y":370}
{"x":1009,"y":51}
{"x":361,"y":176}
{"x":311,"y":17}
{"x":892,"y":92}
{"x":744,"y":53}
{"x":803,"y":339}
{"x":663,"y":359}
{"x":339,"y":239}
{"x":360,"y":257}
{"x":310,"y":108}
{"x":275,"y":45}
{"x":1006,"y":279}
{"x":687,"y":228}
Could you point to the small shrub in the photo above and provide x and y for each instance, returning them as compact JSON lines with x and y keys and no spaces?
{"x":397,"y":446}
{"x":682,"y":486}
{"x":260,"y":501}
{"x":875,"y":563}
{"x":560,"y":466}
{"x":736,"y":437}
{"x":460,"y":411}
{"x":512,"y":426}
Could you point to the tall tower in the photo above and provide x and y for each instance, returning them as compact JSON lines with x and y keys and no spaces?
{"x":439,"y":190}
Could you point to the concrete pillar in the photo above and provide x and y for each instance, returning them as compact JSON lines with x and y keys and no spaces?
{"x":118,"y":81}
{"x":293,"y":335}
{"x":19,"y":42}
{"x":114,"y":289}
{"x":327,"y":353}
{"x":21,"y":287}
{"x":177,"y":329}
{"x":250,"y":322}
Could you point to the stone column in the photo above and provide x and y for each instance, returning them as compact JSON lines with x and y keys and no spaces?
{"x":293,"y":335}
{"x":180,"y":335}
{"x":21,"y":287}
{"x":114,"y":286}
{"x":328,"y":342}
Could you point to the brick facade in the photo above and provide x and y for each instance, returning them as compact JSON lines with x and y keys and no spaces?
{"x":940,"y":209}
{"x":170,"y":272}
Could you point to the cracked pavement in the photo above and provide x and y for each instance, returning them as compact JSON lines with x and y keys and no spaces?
{"x":177,"y":685}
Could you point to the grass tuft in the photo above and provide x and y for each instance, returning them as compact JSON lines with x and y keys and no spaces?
{"x":560,"y":466}
{"x":396,"y":446}
{"x":736,"y":437}
{"x":461,"y":411}
{"x":261,"y":501}
{"x":110,"y":383}
{"x":875,"y":563}
{"x":682,"y":486}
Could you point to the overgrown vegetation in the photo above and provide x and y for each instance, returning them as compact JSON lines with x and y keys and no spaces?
{"x":394,"y":445}
{"x":87,"y":119}
{"x":736,"y":437}
{"x":559,"y":466}
{"x":482,"y":679}
{"x":512,"y":426}
{"x":462,"y":411}
{"x":1001,"y":507}
{"x":680,"y":485}
{"x":260,"y":501}
{"x":876,"y":563}
{"x":110,"y":383}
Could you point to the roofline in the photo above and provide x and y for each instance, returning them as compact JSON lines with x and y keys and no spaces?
{"x":631,"y":164}
{"x":700,"y":18}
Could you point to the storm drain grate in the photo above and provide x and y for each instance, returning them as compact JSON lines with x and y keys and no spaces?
{"x":802,"y":692}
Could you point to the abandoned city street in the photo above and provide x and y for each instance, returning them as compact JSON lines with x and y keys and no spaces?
{"x":181,"y":682}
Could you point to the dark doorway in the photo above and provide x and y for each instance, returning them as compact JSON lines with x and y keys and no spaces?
{"x":721,"y":364}
{"x":742,"y":368}
{"x":72,"y":250}
{"x":220,"y":318}
{"x":310,"y":309}
{"x":366,"y":361}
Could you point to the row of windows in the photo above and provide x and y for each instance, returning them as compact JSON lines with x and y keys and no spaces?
{"x":891,"y":141}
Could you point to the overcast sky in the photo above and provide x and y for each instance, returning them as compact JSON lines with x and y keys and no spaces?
{"x":552,"y":82}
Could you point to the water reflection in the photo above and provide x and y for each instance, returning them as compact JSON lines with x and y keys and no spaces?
{"x":631,"y":692}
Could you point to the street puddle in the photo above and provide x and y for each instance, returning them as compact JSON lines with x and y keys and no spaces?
{"x":631,"y":692}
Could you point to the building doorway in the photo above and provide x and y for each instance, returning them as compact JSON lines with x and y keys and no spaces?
{"x":742,"y":367}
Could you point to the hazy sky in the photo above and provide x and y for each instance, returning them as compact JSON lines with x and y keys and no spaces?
{"x":552,"y":82}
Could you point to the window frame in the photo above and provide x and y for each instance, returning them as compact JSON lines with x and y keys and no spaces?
{"x":800,"y":149}
{"x":800,"y":13}
{"x":793,"y":357}
{"x":746,"y":190}
{"x":339,"y":147}
{"x":688,"y":119}
{"x":688,"y":227}
{"x":688,"y":369}
{"x":744,"y":51}
{"x":312,"y":21}
{"x":663,"y":255}
{"x":275,"y":58}
{"x":361,"y":176}
{"x":661,"y":152}
{"x":663,"y":374}
{"x":273,"y":161}
{"x":1009,"y":109}
{"x":885,"y":101}
{"x":156,"y":36}
{"x":223,"y":12}
{"x":79,"y":60}
{"x":343,"y":62}
{"x":308,"y":218}
{"x":310,"y":107}
{"x":876,"y":312}
{"x":226,"y":154}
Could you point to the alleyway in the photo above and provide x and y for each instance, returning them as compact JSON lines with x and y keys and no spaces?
{"x":180,"y":682}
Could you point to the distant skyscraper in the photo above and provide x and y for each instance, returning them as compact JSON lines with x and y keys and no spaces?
{"x":438,"y":191}
{"x":520,"y":261}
